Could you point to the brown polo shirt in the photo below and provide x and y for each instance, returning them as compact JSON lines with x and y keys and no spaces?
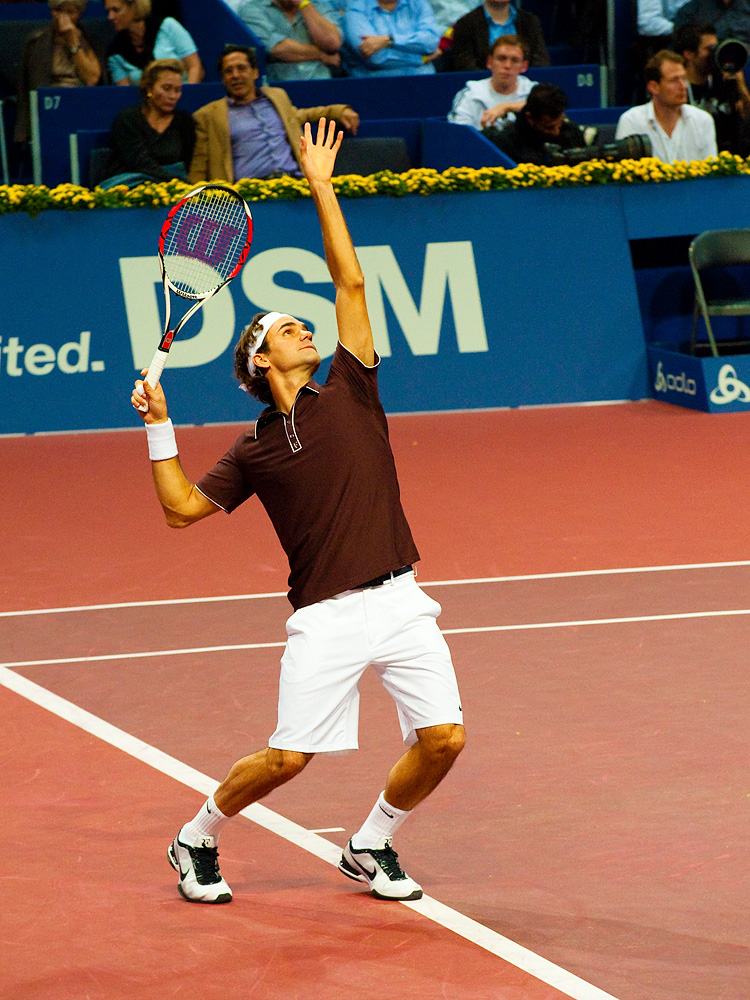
{"x":326,"y":477}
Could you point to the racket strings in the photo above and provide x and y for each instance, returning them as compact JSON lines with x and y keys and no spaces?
{"x":205,"y":242}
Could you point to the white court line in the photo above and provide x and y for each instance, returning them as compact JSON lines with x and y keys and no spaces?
{"x":530,"y":626}
{"x":144,"y":654}
{"x":142,"y":604}
{"x":422,"y":583}
{"x":511,"y":952}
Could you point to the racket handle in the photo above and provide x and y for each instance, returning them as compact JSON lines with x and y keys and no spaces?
{"x":153,"y":376}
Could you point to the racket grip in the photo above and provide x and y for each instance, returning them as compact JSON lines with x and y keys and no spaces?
{"x":153,"y":376}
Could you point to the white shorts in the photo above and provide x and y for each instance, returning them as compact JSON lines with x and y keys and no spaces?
{"x":330,"y":644}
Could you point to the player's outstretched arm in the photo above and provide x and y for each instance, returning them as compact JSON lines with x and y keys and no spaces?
{"x":317,"y":159}
{"x":181,"y":502}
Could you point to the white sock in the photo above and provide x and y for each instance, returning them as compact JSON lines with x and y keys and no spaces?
{"x":382,"y":823}
{"x":207,"y":823}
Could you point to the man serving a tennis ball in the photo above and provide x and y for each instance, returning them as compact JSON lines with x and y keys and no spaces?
{"x":320,"y":462}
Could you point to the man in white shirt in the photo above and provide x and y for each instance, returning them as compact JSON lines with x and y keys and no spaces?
{"x":677,"y":130}
{"x":486,"y":102}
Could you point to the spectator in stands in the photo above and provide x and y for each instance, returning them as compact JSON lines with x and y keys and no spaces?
{"x":677,"y":130}
{"x":253,"y":131}
{"x":142,"y":37}
{"x":476,"y":31}
{"x":656,"y":18}
{"x":730,"y":18}
{"x":390,"y":37}
{"x":542,"y":121}
{"x":655,"y":24}
{"x":153,"y":140}
{"x":61,"y":54}
{"x":486,"y":102}
{"x":447,"y":12}
{"x":301,"y":37}
{"x":724,"y":95}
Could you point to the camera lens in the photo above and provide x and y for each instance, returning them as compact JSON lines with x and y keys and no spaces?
{"x":730,"y":55}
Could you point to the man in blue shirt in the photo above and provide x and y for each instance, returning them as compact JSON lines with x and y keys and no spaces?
{"x":253,"y":131}
{"x":656,"y":17}
{"x":390,"y":37}
{"x":301,"y":37}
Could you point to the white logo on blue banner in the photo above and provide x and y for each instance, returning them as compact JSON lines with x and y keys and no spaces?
{"x":729,"y":387}
{"x":675,"y":383}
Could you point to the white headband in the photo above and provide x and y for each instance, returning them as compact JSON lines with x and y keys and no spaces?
{"x":264,"y":325}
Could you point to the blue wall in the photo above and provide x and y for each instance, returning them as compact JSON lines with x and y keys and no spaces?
{"x":477,"y":300}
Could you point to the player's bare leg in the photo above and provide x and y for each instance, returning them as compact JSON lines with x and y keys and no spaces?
{"x":253,"y":777}
{"x":194,"y":853}
{"x":369,"y":856}
{"x":424,"y":765}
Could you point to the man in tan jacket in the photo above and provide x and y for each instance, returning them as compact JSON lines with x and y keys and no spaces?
{"x":253,"y":131}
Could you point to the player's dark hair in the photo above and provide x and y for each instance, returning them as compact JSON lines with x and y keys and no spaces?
{"x":652,"y":69}
{"x":229,"y":49}
{"x":545,"y":100}
{"x":688,"y":37}
{"x":255,"y":383}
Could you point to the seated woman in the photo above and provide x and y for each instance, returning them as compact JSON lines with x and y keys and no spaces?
{"x":153,"y":140}
{"x":62,"y":54}
{"x":390,"y":37}
{"x":142,"y":37}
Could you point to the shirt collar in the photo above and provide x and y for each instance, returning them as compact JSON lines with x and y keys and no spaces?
{"x":271,"y":413}
{"x":651,"y":113}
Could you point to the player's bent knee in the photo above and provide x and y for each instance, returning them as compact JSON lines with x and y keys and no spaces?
{"x":285,"y":764}
{"x":445,"y":742}
{"x":456,"y":741}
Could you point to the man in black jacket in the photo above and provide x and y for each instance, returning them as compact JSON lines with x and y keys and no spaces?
{"x":541,"y":121}
{"x":474,"y":33}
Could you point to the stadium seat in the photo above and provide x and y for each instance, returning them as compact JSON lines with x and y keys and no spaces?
{"x":98,"y":165}
{"x":368,"y":155}
{"x":719,"y":248}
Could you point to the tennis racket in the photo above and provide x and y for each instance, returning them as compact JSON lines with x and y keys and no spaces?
{"x":203,"y":244}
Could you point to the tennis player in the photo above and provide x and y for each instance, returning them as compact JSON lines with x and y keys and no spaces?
{"x":320,"y":462}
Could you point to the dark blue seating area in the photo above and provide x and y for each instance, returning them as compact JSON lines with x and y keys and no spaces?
{"x":69,"y":123}
{"x":64,"y":112}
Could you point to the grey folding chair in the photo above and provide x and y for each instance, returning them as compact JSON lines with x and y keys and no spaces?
{"x":718,"y":248}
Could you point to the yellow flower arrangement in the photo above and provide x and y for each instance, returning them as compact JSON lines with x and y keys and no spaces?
{"x":423,"y":181}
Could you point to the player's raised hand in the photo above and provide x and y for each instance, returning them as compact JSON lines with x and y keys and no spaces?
{"x":317,"y":158}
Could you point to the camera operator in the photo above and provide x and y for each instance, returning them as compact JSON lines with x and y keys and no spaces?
{"x":542,"y":121}
{"x":720,"y":91}
{"x":677,"y":130}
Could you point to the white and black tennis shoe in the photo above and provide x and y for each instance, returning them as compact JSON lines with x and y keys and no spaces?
{"x":198,"y":867}
{"x":378,"y":867}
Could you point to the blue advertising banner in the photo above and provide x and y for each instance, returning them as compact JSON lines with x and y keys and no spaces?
{"x":716,"y":385}
{"x":476,"y":300}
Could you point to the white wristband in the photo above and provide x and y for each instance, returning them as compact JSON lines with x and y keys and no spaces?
{"x":162,"y":443}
